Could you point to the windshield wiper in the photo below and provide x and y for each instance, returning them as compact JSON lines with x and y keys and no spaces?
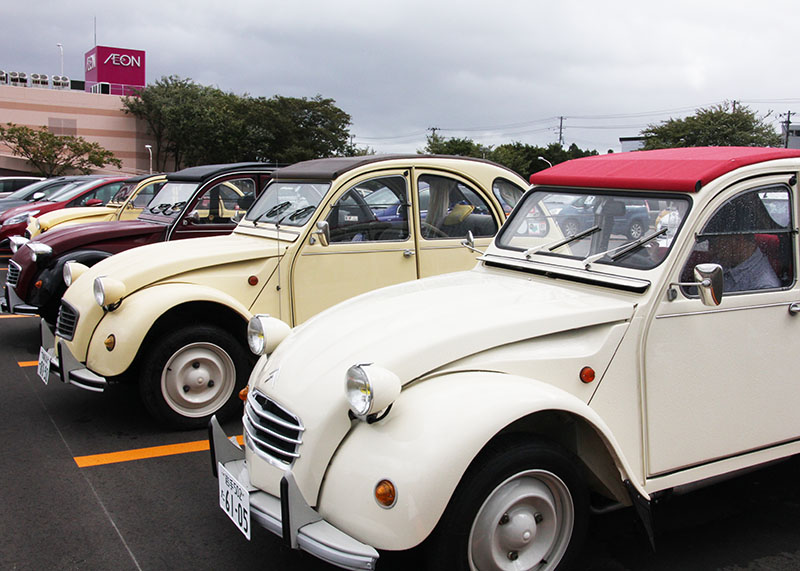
{"x":300,"y":212}
{"x":275,"y":210}
{"x":563,"y":242}
{"x":620,"y":251}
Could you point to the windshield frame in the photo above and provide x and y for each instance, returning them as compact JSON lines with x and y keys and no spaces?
{"x":580,"y":248}
{"x":267,"y":201}
{"x":151,"y":213}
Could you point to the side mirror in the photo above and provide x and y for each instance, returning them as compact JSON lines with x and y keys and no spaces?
{"x":323,"y":231}
{"x":192,"y":218}
{"x":94,"y":202}
{"x":37,"y":196}
{"x":469,"y":242}
{"x":709,"y":284}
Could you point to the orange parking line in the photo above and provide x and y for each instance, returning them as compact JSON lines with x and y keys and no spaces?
{"x":28,"y":363}
{"x":142,"y":453}
{"x":14,"y":316}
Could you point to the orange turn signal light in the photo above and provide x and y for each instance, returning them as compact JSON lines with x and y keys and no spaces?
{"x":587,"y":374}
{"x":243,"y":393}
{"x":385,"y":494}
{"x":38,"y":284}
{"x":110,"y":342}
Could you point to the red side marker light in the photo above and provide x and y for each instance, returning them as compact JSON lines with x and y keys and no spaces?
{"x":587,"y":374}
{"x":252,"y":280}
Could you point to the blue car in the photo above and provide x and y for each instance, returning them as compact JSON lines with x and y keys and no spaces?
{"x":579,"y":214}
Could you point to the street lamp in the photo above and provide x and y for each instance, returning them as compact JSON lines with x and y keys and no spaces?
{"x":545,"y":160}
{"x":61,"y":49}
{"x":150,"y":150}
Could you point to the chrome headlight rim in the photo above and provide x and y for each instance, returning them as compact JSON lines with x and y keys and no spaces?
{"x":370,"y":389}
{"x":17,"y":242}
{"x":265,"y":333}
{"x":255,"y":336}
{"x":71,"y":271}
{"x":40,"y":250}
{"x":108,"y":292}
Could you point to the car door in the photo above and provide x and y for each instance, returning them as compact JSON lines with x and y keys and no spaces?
{"x":217,"y":208}
{"x":447,"y":208}
{"x":371,"y":244}
{"x":722,"y":381}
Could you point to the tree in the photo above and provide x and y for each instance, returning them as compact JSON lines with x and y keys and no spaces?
{"x":55,"y":155}
{"x":438,"y":145}
{"x":723,"y":125}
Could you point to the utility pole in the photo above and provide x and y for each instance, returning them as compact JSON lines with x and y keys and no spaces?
{"x":561,"y":131}
{"x":786,"y":125}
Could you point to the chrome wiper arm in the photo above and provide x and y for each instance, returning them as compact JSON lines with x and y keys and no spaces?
{"x":619,"y":251}
{"x":562,"y":242}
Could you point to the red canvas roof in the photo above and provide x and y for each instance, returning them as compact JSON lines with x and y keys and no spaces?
{"x":684,"y":170}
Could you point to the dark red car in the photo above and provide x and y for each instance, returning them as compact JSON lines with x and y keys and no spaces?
{"x":86,"y":193}
{"x":194,"y":202}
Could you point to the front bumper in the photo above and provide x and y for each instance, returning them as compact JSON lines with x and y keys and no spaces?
{"x":289,"y":516}
{"x":65,"y":366}
{"x":12,"y":303}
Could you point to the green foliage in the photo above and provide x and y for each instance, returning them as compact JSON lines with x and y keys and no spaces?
{"x":55,"y":155}
{"x":723,"y":125}
{"x":194,"y":124}
{"x":521,"y":158}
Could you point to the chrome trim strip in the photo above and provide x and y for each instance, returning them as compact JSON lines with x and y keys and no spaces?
{"x":377,"y":251}
{"x":249,"y":428}
{"x":259,"y":411}
{"x":727,"y":309}
{"x":248,"y":411}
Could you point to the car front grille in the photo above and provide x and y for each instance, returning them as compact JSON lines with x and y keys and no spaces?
{"x":12,"y":276}
{"x":67,"y":321}
{"x":274,"y":433}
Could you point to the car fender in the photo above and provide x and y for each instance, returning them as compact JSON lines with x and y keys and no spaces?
{"x":133,"y":319}
{"x":424,"y":445}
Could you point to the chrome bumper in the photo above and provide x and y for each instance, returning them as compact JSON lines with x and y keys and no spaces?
{"x":289,"y":516}
{"x":66,"y":367}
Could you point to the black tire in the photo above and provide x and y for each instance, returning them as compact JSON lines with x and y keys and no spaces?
{"x":570,"y":227}
{"x":176,"y":382}
{"x":636,"y":229}
{"x":521,"y":505}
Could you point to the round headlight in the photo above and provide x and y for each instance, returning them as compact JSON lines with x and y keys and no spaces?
{"x":39,"y":250}
{"x":16,"y":242}
{"x":370,"y":389}
{"x":108,"y":291}
{"x":264,"y":333}
{"x":72,"y":271}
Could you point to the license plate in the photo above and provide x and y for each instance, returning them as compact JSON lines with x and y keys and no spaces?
{"x":43,"y":369}
{"x":234,"y":500}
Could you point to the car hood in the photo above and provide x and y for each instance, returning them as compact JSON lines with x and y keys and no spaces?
{"x":41,"y":206}
{"x":417,"y":327}
{"x":145,"y":265}
{"x":76,"y":235}
{"x":50,"y":219}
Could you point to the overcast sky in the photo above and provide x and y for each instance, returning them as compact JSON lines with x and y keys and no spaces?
{"x":494,"y":71}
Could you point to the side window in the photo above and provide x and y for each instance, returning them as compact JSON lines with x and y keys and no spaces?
{"x":507,"y":193}
{"x":450,"y":209}
{"x":750,"y":237}
{"x":146,"y":194}
{"x":373,"y":210}
{"x":104,"y":193}
{"x":226,"y":202}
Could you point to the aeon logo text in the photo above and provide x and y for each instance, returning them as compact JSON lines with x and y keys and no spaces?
{"x":124,"y":60}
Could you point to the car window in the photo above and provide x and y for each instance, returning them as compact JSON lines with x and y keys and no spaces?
{"x":146,"y":194}
{"x":507,"y":193}
{"x":224,"y":203}
{"x":451,"y":209}
{"x":372,"y":210}
{"x":750,"y":237}
{"x":103,"y":193}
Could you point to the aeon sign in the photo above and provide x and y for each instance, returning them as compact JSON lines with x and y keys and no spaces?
{"x":122,"y":69}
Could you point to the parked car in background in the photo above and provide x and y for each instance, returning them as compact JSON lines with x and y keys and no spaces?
{"x":94,"y":192}
{"x":482,"y":414}
{"x":174,"y":316}
{"x":126,"y":204}
{"x":579,"y":214}
{"x":41,"y":190}
{"x":9,"y":184}
{"x":180,"y":209}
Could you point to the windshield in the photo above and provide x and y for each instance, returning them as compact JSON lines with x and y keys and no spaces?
{"x":287,"y":203}
{"x":171,"y":198}
{"x":601,"y":228}
{"x":71,"y":191}
{"x":123,"y":193}
{"x":27,"y":191}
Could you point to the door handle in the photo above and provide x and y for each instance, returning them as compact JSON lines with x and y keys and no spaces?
{"x":794,"y":308}
{"x":408,"y":253}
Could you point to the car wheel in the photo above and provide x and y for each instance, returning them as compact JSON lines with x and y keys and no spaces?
{"x":636,"y":230}
{"x":522,"y":506}
{"x":193,"y":373}
{"x":570,"y":227}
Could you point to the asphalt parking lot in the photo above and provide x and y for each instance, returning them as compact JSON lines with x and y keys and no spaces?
{"x":89,"y":484}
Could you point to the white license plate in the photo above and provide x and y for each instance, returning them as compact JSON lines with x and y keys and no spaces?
{"x":234,"y":500}
{"x":43,"y":369}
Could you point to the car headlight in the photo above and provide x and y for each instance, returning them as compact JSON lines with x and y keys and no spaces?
{"x":24,"y":217}
{"x":108,"y":292}
{"x":17,"y":242}
{"x":370,"y":389}
{"x":72,"y":271}
{"x":264,"y":333}
{"x":40,"y":251}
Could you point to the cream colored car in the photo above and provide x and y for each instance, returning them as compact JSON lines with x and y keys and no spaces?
{"x":482,"y":414}
{"x":126,"y":204}
{"x":173,"y":316}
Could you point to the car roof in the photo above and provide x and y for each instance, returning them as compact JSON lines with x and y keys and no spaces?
{"x":200,"y":173}
{"x":331,"y":168}
{"x":684,"y":169}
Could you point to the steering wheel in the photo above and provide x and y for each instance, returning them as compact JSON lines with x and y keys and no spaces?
{"x":431,"y":231}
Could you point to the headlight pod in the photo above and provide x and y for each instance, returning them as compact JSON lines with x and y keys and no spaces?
{"x":264,"y":333}
{"x":23,"y":217}
{"x":370,"y":389}
{"x":17,"y":242}
{"x":40,"y":251}
{"x":108,"y":292}
{"x":72,"y":271}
